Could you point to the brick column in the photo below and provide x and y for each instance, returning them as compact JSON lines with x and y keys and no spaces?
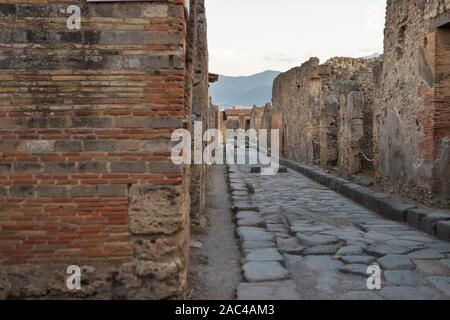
{"x":85,"y":123}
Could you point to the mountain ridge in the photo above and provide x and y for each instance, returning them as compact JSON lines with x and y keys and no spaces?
{"x":231,"y":91}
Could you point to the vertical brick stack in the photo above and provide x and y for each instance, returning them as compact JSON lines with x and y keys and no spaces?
{"x":442,"y":114}
{"x":412,"y":114}
{"x":85,"y":123}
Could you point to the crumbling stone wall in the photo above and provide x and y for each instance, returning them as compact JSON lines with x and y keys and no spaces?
{"x":214,"y":116}
{"x":237,"y":118}
{"x":234,"y":123}
{"x":266,"y":121}
{"x":351,"y":132}
{"x":339,"y":77}
{"x":296,"y":93}
{"x":412,"y":119}
{"x":197,"y":64}
{"x":256,"y":117}
{"x":85,"y":172}
{"x":222,"y":125}
{"x":311,"y":97}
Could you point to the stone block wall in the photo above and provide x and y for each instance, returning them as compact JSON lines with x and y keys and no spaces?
{"x":267,"y":117}
{"x":237,"y":118}
{"x":313,"y":101}
{"x":256,"y":118}
{"x":234,"y":123}
{"x":214,"y":117}
{"x":85,"y":172}
{"x":351,"y":132}
{"x":340,"y":76}
{"x":412,"y":126}
{"x":297,"y":93}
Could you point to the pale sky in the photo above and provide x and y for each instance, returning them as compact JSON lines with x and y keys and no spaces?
{"x":250,"y":36}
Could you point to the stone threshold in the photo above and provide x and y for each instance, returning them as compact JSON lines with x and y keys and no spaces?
{"x":427,"y":220}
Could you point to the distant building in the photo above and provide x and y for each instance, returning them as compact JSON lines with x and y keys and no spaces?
{"x":237,"y":118}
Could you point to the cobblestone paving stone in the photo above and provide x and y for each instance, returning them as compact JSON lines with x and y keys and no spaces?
{"x":326,"y":242}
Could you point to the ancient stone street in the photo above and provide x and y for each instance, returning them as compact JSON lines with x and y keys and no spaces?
{"x":308,"y":242}
{"x":118,"y":125}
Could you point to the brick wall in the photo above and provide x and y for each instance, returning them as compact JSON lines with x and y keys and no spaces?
{"x":85,"y":123}
{"x":412,"y":132}
{"x":442,"y":115}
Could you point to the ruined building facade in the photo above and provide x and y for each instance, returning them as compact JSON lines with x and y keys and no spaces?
{"x":326,"y":112}
{"x":389,"y":114}
{"x":237,"y":118}
{"x":256,"y":118}
{"x":412,"y":115}
{"x":86,"y":118}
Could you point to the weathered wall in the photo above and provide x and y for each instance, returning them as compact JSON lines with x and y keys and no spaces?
{"x":351,"y":132}
{"x":256,"y":117}
{"x":296,"y":93}
{"x":340,"y":76}
{"x":234,"y":123}
{"x":238,"y":118}
{"x":412,"y":117}
{"x":310,"y":99}
{"x":214,"y":116}
{"x":85,"y":123}
{"x":222,"y":125}
{"x":198,"y":69}
{"x":267,"y":117}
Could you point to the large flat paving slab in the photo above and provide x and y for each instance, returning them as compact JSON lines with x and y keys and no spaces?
{"x":264,"y":271}
{"x":280,"y":290}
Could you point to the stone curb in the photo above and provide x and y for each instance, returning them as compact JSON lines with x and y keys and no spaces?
{"x":426,"y":220}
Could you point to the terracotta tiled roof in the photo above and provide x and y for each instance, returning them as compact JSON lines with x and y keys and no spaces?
{"x":238,"y":112}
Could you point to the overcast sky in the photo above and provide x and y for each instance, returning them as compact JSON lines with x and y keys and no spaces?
{"x":250,"y":36}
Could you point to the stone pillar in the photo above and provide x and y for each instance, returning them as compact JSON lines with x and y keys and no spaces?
{"x":200,"y":106}
{"x":329,"y":133}
{"x":351,"y":132}
{"x":278,"y":124}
